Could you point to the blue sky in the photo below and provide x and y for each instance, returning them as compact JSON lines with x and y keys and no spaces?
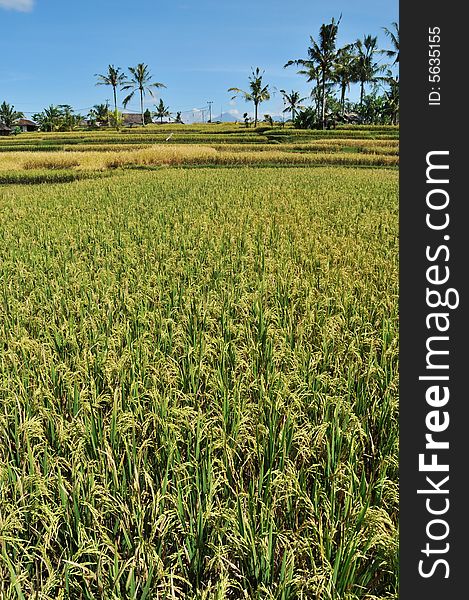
{"x":51,"y":49}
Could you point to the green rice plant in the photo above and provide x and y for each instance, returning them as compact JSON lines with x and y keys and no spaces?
{"x":199,"y":382}
{"x":37,"y":176}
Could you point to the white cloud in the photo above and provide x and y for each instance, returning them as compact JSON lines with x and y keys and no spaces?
{"x":21,"y":5}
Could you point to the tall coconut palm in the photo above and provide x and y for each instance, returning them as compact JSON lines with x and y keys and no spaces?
{"x":345,"y":71}
{"x":292,"y":102}
{"x":140,"y":81}
{"x":258,"y":92}
{"x":393,"y":35}
{"x":115,"y":78}
{"x":321,"y":57}
{"x":8,"y":114}
{"x":367,"y":69}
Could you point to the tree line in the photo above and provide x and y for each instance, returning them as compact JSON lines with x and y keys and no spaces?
{"x":330,"y":70}
{"x":327,"y":68}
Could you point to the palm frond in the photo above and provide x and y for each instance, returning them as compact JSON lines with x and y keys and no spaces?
{"x":128,"y":98}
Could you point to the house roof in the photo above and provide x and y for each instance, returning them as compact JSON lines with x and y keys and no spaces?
{"x":25,"y":122}
{"x":132,"y":119}
{"x":4,"y":127}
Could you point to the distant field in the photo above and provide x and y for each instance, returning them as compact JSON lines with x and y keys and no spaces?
{"x":199,"y":134}
{"x":196,"y":145}
{"x":199,"y":365}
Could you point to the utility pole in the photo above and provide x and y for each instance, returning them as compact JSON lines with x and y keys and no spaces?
{"x":210,"y":102}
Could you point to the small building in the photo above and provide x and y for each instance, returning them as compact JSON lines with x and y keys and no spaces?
{"x":92,"y":123}
{"x":26,"y":125}
{"x":131,"y":119}
{"x":4,"y":130}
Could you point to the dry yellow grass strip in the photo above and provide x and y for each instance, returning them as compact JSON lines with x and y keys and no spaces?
{"x":162,"y":155}
{"x":54,"y":161}
{"x":19,"y":161}
{"x":179,"y":155}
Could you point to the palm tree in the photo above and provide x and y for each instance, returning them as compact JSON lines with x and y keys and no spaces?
{"x":162,"y":111}
{"x":49,"y":119}
{"x":257,"y":91}
{"x":140,"y":81}
{"x":115,"y":78}
{"x":345,"y":71}
{"x":8,"y":114}
{"x":321,"y":59}
{"x":367,"y":70}
{"x":292,"y":102}
{"x":311,"y":72}
{"x":394,"y":37}
{"x":99,"y":113}
{"x":68,"y":119}
{"x":392,"y":97}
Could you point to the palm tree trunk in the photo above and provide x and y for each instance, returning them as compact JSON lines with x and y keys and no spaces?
{"x":115,"y":99}
{"x":255,"y":114}
{"x":342,"y":97}
{"x":318,"y":98}
{"x":141,"y":108}
{"x":323,"y":109}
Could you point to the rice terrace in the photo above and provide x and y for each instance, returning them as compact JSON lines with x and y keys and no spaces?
{"x":199,"y":356}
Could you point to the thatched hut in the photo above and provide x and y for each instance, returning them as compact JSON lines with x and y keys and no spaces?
{"x":4,"y":130}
